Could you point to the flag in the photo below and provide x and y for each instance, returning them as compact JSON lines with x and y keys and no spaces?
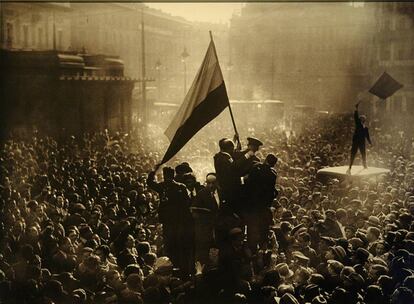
{"x":385,"y":86}
{"x":205,"y":100}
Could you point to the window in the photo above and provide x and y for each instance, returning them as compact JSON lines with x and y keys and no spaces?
{"x":9,"y":35}
{"x":400,"y":23}
{"x":60,"y":40}
{"x":386,"y":24}
{"x":33,"y":36}
{"x":397,"y":104}
{"x":40,"y":37}
{"x":405,"y":51}
{"x":385,"y":52}
{"x":25,"y":36}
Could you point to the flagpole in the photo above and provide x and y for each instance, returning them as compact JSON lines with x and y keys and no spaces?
{"x":231,"y":112}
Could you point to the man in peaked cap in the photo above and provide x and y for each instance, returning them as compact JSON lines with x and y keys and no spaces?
{"x":253,"y":145}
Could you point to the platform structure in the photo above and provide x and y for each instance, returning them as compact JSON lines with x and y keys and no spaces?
{"x":356,"y":171}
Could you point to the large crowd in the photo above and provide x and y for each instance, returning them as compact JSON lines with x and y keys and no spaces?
{"x":80,"y":223}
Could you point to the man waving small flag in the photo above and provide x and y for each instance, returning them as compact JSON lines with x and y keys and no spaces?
{"x":205,"y":100}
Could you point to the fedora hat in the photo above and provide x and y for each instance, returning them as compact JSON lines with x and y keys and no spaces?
{"x":284,"y":271}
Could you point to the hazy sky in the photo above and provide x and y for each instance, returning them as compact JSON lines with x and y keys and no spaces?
{"x":209,"y":12}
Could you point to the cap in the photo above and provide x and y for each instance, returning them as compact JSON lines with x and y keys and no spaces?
{"x":254,"y":142}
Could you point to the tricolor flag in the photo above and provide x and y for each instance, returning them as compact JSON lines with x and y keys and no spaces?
{"x":205,"y":100}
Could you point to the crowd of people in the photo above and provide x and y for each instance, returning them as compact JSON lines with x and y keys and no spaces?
{"x":86,"y":220}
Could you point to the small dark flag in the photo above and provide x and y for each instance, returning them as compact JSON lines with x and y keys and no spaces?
{"x":385,"y":86}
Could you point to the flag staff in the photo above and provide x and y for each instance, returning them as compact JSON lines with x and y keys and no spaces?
{"x":231,"y":112}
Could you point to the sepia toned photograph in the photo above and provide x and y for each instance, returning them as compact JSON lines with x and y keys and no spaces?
{"x":206,"y":152}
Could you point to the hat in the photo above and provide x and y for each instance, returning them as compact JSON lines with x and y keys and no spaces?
{"x":254,"y":142}
{"x":235,"y":232}
{"x":362,"y":254}
{"x":163,"y":265}
{"x":330,"y":213}
{"x":284,"y":270}
{"x":339,"y":252}
{"x":336,"y":265}
{"x":287,"y":215}
{"x":81,"y":293}
{"x":343,"y":243}
{"x":168,"y":171}
{"x":182,"y":169}
{"x":299,"y":229}
{"x":319,"y":300}
{"x":330,"y":241}
{"x":373,"y":221}
{"x":311,"y":291}
{"x":300,"y":256}
{"x":288,"y":298}
{"x":379,"y":261}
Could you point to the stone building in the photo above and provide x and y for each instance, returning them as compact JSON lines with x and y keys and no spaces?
{"x":35,"y":26}
{"x":316,"y":54}
{"x":394,"y":53}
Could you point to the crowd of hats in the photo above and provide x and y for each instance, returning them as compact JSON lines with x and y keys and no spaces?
{"x":79,"y":225}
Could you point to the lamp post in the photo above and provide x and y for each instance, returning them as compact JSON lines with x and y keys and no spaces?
{"x":158,"y":68}
{"x":184,"y":56}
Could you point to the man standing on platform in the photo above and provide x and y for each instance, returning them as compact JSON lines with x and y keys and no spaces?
{"x":358,"y":140}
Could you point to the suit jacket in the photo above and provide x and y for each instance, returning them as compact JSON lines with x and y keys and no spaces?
{"x":228,"y":175}
{"x":260,"y":185}
{"x":206,"y":201}
{"x":174,"y":205}
{"x":247,"y":166}
{"x":361,"y":133}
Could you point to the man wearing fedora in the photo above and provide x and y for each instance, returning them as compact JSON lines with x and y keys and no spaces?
{"x":175,"y":216}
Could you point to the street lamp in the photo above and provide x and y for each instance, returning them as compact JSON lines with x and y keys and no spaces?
{"x":184,"y":56}
{"x":158,"y":68}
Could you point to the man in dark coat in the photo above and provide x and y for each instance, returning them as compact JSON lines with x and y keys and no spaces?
{"x":253,"y":144}
{"x":228,"y":172}
{"x":175,"y":216}
{"x":261,"y":191}
{"x":358,"y":140}
{"x":204,"y":211}
{"x":330,"y":226}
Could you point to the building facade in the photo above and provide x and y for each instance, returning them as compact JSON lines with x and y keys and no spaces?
{"x":308,"y":53}
{"x":394,"y":53}
{"x":35,"y":26}
{"x":174,"y":47}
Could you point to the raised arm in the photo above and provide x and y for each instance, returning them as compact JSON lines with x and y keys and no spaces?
{"x":152,"y":183}
{"x":356,"y":117}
